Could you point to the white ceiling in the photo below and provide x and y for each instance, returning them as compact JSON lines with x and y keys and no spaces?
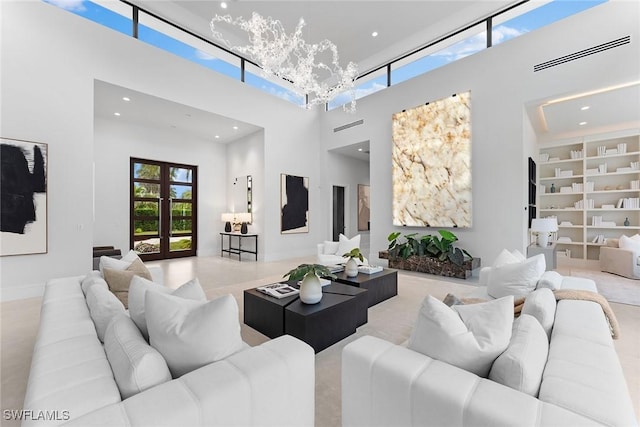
{"x":609,"y":108}
{"x":402,"y":27}
{"x":151,"y":111}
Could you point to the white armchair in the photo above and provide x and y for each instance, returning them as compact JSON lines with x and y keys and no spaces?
{"x":621,"y":261}
{"x":330,"y":253}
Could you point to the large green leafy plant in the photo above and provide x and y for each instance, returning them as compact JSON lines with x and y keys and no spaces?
{"x":302,"y":270}
{"x":440,"y":247}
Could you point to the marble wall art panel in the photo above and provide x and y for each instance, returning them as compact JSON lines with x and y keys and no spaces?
{"x":23,"y":192}
{"x":432,"y":164}
{"x":294,"y":203}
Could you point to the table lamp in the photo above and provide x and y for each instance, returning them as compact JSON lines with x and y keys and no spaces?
{"x":227,"y":218}
{"x":243,"y":218}
{"x":543,"y":227}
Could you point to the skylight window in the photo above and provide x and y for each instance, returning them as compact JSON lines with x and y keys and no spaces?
{"x":506,"y":26}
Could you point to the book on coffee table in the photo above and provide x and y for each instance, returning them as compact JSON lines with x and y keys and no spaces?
{"x":369,"y":269}
{"x":278,"y":290}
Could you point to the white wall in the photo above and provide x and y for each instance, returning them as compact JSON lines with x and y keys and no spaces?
{"x":246,"y":157}
{"x":49,"y":59}
{"x":347,"y":172}
{"x":502,"y":81}
{"x":115,"y":142}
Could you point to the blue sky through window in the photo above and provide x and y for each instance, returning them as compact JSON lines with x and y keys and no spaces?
{"x":529,"y":21}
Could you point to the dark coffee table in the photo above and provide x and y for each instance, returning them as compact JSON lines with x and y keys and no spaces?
{"x":380,"y":286}
{"x":342,"y":309}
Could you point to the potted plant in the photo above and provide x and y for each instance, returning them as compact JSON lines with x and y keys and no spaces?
{"x":430,"y":254}
{"x":351,"y":267}
{"x":310,"y":288}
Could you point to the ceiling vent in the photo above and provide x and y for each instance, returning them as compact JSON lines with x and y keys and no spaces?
{"x":348,"y":125}
{"x":581,"y":54}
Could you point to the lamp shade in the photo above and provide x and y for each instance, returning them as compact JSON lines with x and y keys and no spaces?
{"x":544,"y":225}
{"x":243,"y":217}
{"x":226,"y":217}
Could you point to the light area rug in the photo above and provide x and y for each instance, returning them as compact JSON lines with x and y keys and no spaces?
{"x":391,"y":320}
{"x":613,"y":287}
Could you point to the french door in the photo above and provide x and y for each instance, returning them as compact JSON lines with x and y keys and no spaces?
{"x":163,"y":209}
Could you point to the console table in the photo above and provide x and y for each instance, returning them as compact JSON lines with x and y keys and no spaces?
{"x":238,"y":250}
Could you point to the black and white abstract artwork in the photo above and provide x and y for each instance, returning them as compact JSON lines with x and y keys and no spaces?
{"x":23,"y":191}
{"x":294,"y":204}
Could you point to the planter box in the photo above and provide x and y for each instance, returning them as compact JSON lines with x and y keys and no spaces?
{"x":425,"y":264}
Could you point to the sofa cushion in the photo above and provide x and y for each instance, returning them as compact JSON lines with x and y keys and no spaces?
{"x":93,"y":278}
{"x":551,"y":280}
{"x":119,"y":280}
{"x":136,"y":365}
{"x":190,"y":334}
{"x":330,"y":248}
{"x":522,"y":363}
{"x":117,"y":264}
{"x":505,"y":257}
{"x":103,"y":306}
{"x":346,"y":245}
{"x":516,"y":279}
{"x":137,"y":295}
{"x":541,"y":304}
{"x":469,"y":336}
{"x":629,"y":243}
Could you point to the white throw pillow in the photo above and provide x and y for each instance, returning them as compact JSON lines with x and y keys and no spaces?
{"x":522,"y":364}
{"x":117,"y":264}
{"x":103,"y":306}
{"x":467,"y":336}
{"x":516,"y":279}
{"x":190,"y":334}
{"x":629,"y":243}
{"x":330,"y":248}
{"x":551,"y":280}
{"x":130,"y":256}
{"x":135,"y":364}
{"x":541,"y":304}
{"x":140,"y":286}
{"x":346,"y":245}
{"x":93,"y":278}
{"x":519,"y":255}
{"x":505,"y":257}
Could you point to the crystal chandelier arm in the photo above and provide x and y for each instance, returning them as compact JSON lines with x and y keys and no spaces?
{"x":291,"y":58}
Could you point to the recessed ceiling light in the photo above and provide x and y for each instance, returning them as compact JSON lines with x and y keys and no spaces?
{"x":235,"y":128}
{"x":374,"y":34}
{"x":124,"y":98}
{"x":116,"y":114}
{"x":359,"y":149}
{"x":223,"y":4}
{"x":582,"y":123}
{"x":586,"y":107}
{"x":217,"y":136}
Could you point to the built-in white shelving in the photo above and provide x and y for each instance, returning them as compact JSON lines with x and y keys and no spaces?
{"x":595,"y":179}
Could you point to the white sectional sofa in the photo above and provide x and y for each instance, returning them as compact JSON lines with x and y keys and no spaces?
{"x":582,"y":382}
{"x":71,"y":381}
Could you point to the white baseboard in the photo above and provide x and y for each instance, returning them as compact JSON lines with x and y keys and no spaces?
{"x":11,"y":293}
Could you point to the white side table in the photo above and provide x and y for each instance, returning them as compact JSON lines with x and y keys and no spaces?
{"x":549,"y":254}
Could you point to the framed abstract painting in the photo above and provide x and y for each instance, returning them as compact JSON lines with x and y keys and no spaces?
{"x":294,"y":204}
{"x":23,"y":191}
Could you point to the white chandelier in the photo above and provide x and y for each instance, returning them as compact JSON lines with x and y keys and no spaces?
{"x":289,"y":57}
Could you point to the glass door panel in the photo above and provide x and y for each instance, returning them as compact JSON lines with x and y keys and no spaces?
{"x":163,"y":209}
